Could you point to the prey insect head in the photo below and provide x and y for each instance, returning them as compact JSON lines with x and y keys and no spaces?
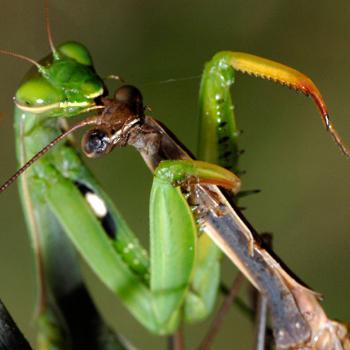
{"x":118,"y":119}
{"x":102,"y":139}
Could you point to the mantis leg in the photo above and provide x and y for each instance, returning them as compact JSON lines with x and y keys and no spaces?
{"x":164,"y":194}
{"x":218,"y":129}
{"x":189,"y":172}
{"x":67,"y":317}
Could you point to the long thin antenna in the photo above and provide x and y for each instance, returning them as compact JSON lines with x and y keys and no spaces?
{"x":21,"y":57}
{"x":48,"y":29}
{"x":89,"y":121}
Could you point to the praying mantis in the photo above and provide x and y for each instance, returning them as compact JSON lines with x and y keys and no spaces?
{"x":82,"y":186}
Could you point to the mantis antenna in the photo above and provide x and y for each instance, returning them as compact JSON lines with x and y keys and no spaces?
{"x":89,"y":121}
{"x":48,"y":29}
{"x":22,"y":57}
{"x":49,"y":34}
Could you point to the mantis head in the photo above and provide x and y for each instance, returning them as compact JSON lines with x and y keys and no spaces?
{"x":66,"y":85}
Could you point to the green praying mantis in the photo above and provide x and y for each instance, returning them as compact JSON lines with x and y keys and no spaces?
{"x":191,"y":202}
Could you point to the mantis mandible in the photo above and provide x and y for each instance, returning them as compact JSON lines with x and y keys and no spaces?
{"x":58,"y":183}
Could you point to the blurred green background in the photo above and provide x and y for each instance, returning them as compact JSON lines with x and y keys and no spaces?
{"x":304,"y":179}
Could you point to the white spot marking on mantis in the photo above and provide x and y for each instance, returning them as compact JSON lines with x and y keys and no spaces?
{"x":97,"y":204}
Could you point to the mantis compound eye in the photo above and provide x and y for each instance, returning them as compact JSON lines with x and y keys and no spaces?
{"x":96,"y":142}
